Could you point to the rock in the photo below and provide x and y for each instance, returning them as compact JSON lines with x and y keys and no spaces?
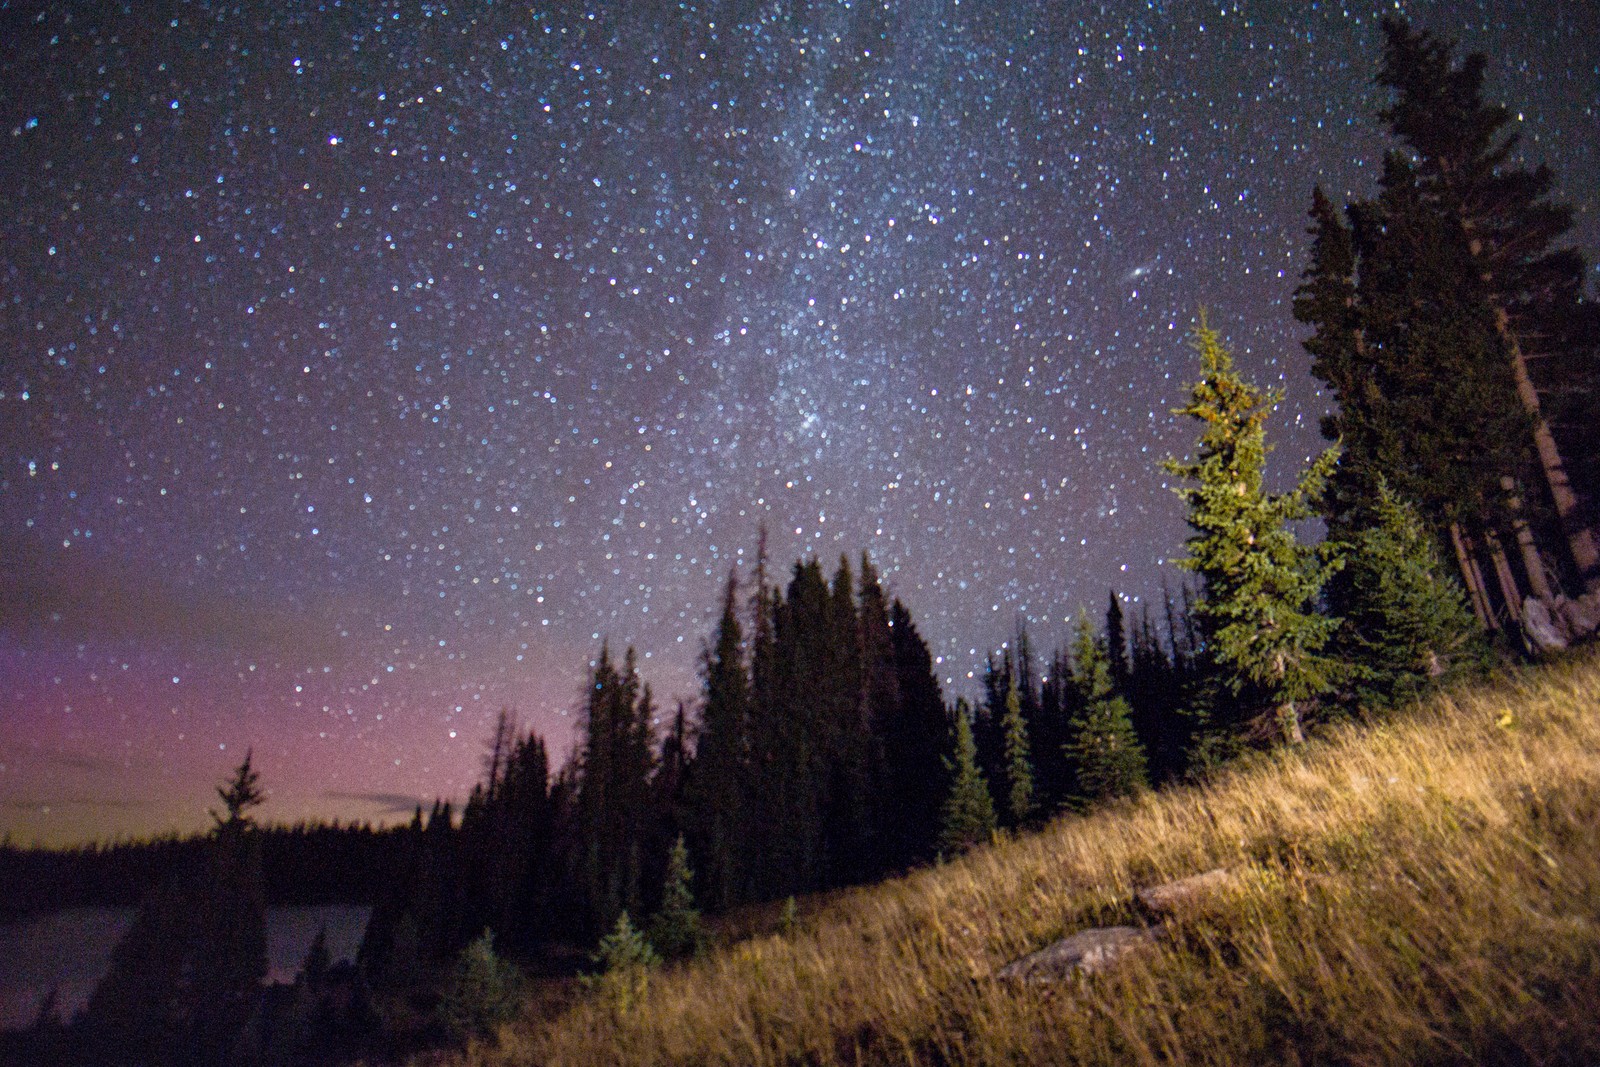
{"x":1086,"y":951}
{"x":1186,"y":896}
{"x":1541,"y":629}
{"x":1582,"y":614}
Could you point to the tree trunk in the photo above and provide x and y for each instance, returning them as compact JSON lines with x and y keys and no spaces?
{"x":1502,"y":571}
{"x":1289,"y":723}
{"x":1532,"y":562}
{"x":1580,"y":538}
{"x":1473,"y":579}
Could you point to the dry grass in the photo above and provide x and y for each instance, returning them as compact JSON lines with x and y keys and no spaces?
{"x":1422,"y":891}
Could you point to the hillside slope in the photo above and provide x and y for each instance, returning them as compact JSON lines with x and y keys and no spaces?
{"x":1426,"y":890}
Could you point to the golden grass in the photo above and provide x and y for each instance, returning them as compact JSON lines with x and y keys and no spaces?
{"x":1426,"y":890}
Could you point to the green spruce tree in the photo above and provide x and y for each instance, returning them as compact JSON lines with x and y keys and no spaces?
{"x":1258,"y":609}
{"x":625,"y":959}
{"x":482,"y":993}
{"x":1406,"y":622}
{"x":675,"y":931}
{"x":1019,"y":768}
{"x":1102,"y":747}
{"x":968,"y":816}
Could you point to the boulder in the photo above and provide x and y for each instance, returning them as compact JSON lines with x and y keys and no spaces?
{"x":1541,"y":628}
{"x":1186,"y":896}
{"x":1581,"y":614}
{"x":1086,"y":951}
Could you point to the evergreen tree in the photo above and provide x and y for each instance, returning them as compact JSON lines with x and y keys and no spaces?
{"x":1454,"y":338}
{"x":849,"y":761}
{"x":1048,"y":734}
{"x":1019,"y":768}
{"x":1406,"y":623}
{"x":1258,"y":609}
{"x":801,"y":725}
{"x":914,"y":739}
{"x":968,"y":816}
{"x":229,"y":957}
{"x":625,"y":959}
{"x":880,"y":716}
{"x":1156,"y":700}
{"x":675,"y":931}
{"x":1501,"y":217}
{"x":1410,"y":354}
{"x":482,"y":992}
{"x":613,"y":790}
{"x":1117,"y":643}
{"x":186,"y":978}
{"x":719,"y":787}
{"x":139,"y":1012}
{"x":239,"y":794}
{"x":1105,"y":753}
{"x":988,"y":718}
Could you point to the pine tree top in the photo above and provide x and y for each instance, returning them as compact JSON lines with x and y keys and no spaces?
{"x":239,"y":795}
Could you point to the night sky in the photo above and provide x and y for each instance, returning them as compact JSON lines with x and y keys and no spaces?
{"x":366,"y":364}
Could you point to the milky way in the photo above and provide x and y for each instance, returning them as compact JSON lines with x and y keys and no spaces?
{"x":367,"y":364}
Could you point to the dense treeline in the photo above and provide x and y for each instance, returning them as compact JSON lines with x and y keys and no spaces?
{"x":816,"y":759}
{"x":304,"y":864}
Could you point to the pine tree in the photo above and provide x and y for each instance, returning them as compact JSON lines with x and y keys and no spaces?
{"x":968,"y":816}
{"x":914,"y":741}
{"x":1019,"y":768}
{"x":1105,"y":753}
{"x":482,"y":993}
{"x":613,"y":790}
{"x":880,"y":716}
{"x":849,"y":819}
{"x":675,"y":931}
{"x":718,"y":787}
{"x":1258,"y":608}
{"x":1502,"y":218}
{"x":239,"y":794}
{"x":1454,"y":338}
{"x":625,"y":959}
{"x":1117,"y":642}
{"x":229,"y":963}
{"x":800,"y":726}
{"x":140,"y":1011}
{"x":186,"y":978}
{"x":1406,"y":623}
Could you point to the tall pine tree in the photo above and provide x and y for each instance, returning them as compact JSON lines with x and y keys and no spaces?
{"x":719,"y":779}
{"x":1501,"y":215}
{"x":1258,"y":608}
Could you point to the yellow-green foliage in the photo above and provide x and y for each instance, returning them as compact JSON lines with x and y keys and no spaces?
{"x":1422,"y":891}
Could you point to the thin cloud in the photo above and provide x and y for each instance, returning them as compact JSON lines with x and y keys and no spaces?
{"x":386,"y":803}
{"x":67,"y":592}
{"x":34,"y":804}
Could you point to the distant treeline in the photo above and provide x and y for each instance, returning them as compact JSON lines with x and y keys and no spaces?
{"x":304,"y":864}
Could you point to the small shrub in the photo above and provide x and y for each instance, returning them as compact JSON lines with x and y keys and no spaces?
{"x":625,"y":959}
{"x":483,"y":992}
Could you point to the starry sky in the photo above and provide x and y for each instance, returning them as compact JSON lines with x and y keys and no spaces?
{"x":365,"y":364}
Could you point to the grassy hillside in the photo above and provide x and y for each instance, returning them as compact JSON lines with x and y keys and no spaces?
{"x":1426,"y":890}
